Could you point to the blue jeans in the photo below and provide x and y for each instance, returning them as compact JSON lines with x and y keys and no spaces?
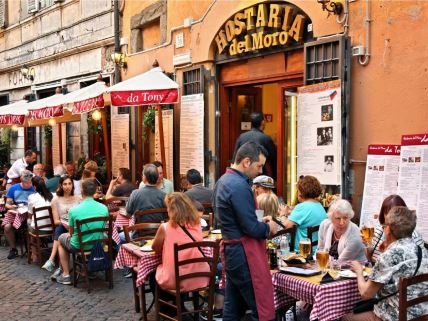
{"x":239,"y":294}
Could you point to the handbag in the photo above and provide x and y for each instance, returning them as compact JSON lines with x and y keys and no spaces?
{"x":368,"y":305}
{"x":98,"y":259}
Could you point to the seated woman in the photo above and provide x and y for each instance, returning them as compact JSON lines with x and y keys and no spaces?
{"x":309,"y":212}
{"x":377,"y":247}
{"x":41,"y":198}
{"x":339,"y":235}
{"x":182,"y":216}
{"x":61,"y":203}
{"x":400,"y":259}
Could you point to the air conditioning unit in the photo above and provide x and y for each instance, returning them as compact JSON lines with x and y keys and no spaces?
{"x":358,"y":51}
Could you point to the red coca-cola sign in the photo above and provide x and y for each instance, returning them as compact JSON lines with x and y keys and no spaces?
{"x":45,"y":113}
{"x":144,"y":97}
{"x":12,"y":119}
{"x":88,"y":104}
{"x":384,"y":150}
{"x":415,"y":139}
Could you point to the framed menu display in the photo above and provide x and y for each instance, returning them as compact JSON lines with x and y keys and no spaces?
{"x":119,"y":140}
{"x":413,"y":178}
{"x":381,"y":180}
{"x":319,"y":139}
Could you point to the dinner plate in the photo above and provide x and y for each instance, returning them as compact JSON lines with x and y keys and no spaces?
{"x":218,"y":231}
{"x":349,"y":274}
{"x":299,"y":271}
{"x":146,"y":248}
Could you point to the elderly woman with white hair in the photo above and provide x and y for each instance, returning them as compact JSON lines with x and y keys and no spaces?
{"x":339,"y":235}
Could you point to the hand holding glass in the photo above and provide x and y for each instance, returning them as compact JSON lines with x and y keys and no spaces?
{"x":367,"y":232}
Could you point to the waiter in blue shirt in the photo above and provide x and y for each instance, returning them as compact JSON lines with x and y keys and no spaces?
{"x":248,"y":279}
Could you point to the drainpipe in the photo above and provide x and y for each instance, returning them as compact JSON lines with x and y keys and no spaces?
{"x":116,"y":21}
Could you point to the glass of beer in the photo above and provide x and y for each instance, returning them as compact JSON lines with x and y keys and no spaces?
{"x":367,"y":232}
{"x":322,"y":257}
{"x":305,"y":247}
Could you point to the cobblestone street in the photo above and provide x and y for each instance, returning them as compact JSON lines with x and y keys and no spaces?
{"x":27,"y":293}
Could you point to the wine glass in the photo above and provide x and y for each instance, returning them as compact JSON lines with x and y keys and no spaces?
{"x":305,"y":247}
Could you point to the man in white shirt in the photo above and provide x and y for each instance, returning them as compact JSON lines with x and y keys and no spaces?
{"x":19,"y":165}
{"x":165,"y":185}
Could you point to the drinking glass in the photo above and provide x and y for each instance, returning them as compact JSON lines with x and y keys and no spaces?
{"x":305,"y":247}
{"x":367,"y":233}
{"x":322,"y":257}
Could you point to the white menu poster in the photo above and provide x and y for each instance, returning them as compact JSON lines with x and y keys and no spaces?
{"x":119,"y":140}
{"x":56,"y":159}
{"x":168,"y":139}
{"x":319,"y":139}
{"x":413,"y":178}
{"x":192,"y":133}
{"x":381,"y":180}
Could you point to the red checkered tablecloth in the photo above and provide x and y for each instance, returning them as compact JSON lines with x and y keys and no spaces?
{"x":329,"y":301}
{"x":14,"y":218}
{"x":120,"y":222}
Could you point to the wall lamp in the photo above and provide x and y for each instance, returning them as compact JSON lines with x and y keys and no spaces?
{"x":119,"y":59}
{"x":27,"y":72}
{"x":335,"y":7}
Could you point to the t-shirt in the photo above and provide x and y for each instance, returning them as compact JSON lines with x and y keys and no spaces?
{"x":166,"y":186}
{"x":64,"y":204}
{"x":52,"y":184}
{"x":124,"y":189}
{"x":146,"y":198}
{"x":35,"y":201}
{"x":306,"y":214}
{"x":87,"y":209}
{"x":18,"y":194}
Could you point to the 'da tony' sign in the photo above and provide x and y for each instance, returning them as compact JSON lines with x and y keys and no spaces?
{"x":262,"y":26}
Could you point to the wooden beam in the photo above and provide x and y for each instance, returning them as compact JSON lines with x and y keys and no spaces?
{"x":161,"y":140}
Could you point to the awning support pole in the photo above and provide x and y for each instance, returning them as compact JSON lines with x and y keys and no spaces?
{"x":161,"y":140}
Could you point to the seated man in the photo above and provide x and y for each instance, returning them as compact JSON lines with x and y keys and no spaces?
{"x":165,"y":185}
{"x":39,"y":170}
{"x":196,"y":191}
{"x":122,"y":185}
{"x":69,"y":242}
{"x":17,"y":195}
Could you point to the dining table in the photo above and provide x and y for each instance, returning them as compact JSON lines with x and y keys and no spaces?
{"x":330,"y":301}
{"x":16,"y":218}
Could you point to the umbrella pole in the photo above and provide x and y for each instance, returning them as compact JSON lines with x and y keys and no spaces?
{"x":161,"y":140}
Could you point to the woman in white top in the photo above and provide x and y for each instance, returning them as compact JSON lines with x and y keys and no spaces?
{"x":61,"y":204}
{"x":41,"y":198}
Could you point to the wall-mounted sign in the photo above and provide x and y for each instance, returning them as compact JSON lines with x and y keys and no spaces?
{"x":261,"y":26}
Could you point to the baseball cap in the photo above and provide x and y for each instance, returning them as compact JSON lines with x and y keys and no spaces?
{"x":264,"y":181}
{"x":26,"y":175}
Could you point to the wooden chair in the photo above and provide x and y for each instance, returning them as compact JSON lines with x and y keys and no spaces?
{"x":212,"y":262}
{"x":151,"y":215}
{"x":292,"y":232}
{"x":80,"y":258}
{"x":142,"y":231}
{"x":404,"y":303}
{"x":35,"y":238}
{"x":311,"y":230}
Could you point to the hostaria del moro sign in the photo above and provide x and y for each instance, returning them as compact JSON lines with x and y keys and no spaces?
{"x":262,"y":26}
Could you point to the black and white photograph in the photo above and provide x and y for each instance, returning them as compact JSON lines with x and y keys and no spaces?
{"x":324,"y":136}
{"x":328,"y":163}
{"x":326,"y":112}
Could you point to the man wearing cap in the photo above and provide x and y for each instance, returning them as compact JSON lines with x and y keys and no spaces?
{"x":20,"y":164}
{"x":263,"y":184}
{"x":17,"y":195}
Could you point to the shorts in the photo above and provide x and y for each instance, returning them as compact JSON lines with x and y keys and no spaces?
{"x":64,"y":240}
{"x":60,"y":229}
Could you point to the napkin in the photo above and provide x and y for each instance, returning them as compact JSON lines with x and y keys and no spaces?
{"x":327,"y":278}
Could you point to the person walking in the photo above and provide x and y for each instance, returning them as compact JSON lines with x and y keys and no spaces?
{"x":248,"y":279}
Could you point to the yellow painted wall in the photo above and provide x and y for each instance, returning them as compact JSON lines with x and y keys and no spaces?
{"x":270,"y":106}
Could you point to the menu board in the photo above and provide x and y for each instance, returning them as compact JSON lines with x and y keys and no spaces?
{"x":319,"y":139}
{"x":413,"y":178}
{"x":119,"y":140}
{"x":192,"y":133}
{"x":168,"y":131}
{"x":56,"y":159}
{"x":381,"y":180}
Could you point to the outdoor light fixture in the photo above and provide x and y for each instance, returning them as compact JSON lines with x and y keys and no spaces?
{"x":96,"y":115}
{"x":27,"y":72}
{"x":335,"y":7}
{"x":14,"y":128}
{"x":119,"y":59}
{"x":52,"y":122}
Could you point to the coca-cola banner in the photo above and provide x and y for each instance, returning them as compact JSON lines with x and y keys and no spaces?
{"x":144,"y":97}
{"x":45,"y":113}
{"x":88,"y":104}
{"x":12,"y":119}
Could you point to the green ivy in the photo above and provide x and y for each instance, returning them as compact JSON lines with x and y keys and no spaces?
{"x":47,"y":130}
{"x":5,"y":145}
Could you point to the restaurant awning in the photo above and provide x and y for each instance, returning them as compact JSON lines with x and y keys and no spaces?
{"x":13,"y":114}
{"x":46,"y":108}
{"x":150,"y":88}
{"x":86,"y":99}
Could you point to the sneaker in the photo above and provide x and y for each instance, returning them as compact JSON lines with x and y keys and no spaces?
{"x":13,"y":253}
{"x":217,"y":315}
{"x":56,"y":274}
{"x":127,"y":272}
{"x":49,"y":266}
{"x":64,"y":279}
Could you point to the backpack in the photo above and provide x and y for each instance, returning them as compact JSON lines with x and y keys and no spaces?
{"x":98,"y":259}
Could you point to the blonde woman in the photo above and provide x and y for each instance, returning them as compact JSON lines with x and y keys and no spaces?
{"x":268,"y":202}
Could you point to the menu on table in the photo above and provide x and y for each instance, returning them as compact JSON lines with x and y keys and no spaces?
{"x":413,"y":178}
{"x":381,"y":180}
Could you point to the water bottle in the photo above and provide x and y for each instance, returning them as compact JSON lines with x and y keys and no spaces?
{"x":284,"y":246}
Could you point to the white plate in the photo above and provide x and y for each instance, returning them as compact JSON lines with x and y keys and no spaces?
{"x":146,"y":248}
{"x":349,"y":274}
{"x":216,"y":231}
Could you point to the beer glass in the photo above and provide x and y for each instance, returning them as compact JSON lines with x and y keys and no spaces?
{"x":322,"y":257}
{"x":305,"y":247}
{"x":367,"y":232}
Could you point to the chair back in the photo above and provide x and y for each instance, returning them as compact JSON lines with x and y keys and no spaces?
{"x":290,"y":231}
{"x":105,"y":230}
{"x":143,"y":231}
{"x":38,"y":217}
{"x":209,"y":218}
{"x":115,"y":202}
{"x":311,"y":231}
{"x":210,"y":260}
{"x":404,"y":303}
{"x":154,"y":215}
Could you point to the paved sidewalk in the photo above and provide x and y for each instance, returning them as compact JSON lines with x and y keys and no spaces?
{"x":27,"y":293}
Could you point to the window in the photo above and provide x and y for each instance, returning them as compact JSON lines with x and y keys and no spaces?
{"x":193,"y":82}
{"x":33,"y":6}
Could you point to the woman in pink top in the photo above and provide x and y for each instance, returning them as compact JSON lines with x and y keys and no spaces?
{"x":182,"y":213}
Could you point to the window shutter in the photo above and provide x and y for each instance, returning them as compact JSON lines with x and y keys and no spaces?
{"x":33,"y":6}
{"x":2,"y":13}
